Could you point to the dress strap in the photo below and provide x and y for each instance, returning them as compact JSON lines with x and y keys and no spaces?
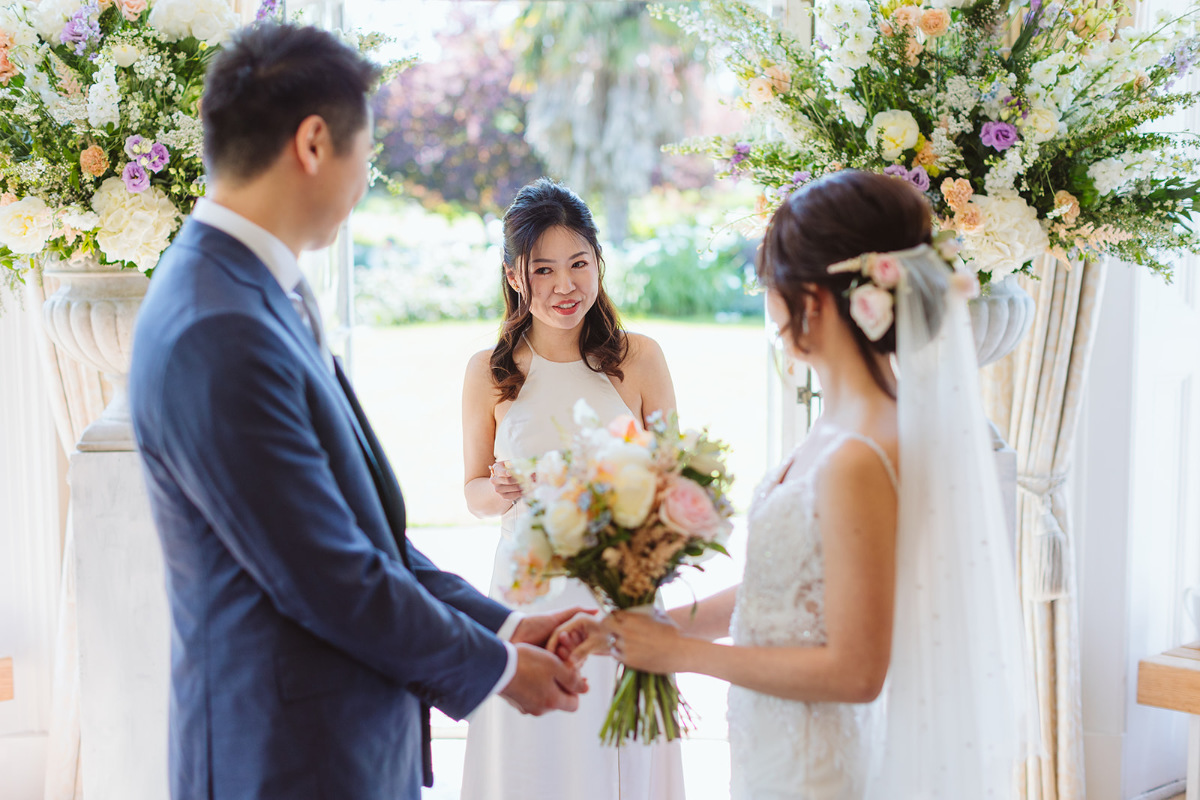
{"x":879,"y":451}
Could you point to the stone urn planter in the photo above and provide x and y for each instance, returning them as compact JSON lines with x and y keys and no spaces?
{"x":91,"y":318}
{"x":1000,"y":319}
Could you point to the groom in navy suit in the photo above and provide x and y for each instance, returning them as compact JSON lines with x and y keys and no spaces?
{"x":309,"y":638}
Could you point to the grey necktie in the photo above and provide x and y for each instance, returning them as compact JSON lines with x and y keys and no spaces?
{"x":306,"y":306}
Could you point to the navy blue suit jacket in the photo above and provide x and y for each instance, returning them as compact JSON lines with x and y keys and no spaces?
{"x":306,"y":633}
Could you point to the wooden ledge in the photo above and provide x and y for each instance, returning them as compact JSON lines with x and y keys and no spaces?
{"x":6,"y":679}
{"x":1171,"y":679}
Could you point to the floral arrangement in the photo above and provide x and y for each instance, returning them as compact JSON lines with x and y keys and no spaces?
{"x":100,"y":144}
{"x":622,"y":509}
{"x":1024,"y":122}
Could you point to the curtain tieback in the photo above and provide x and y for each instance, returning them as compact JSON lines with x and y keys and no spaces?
{"x":1046,"y":577}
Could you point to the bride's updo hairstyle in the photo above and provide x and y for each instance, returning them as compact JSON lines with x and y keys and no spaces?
{"x":838,"y":217}
{"x":537,"y":208}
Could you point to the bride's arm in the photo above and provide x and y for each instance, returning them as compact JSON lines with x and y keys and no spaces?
{"x":709,"y":618}
{"x":479,"y":442}
{"x":857,"y":509}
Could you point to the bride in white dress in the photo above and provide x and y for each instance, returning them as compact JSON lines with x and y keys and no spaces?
{"x":518,"y":400}
{"x":876,"y":636}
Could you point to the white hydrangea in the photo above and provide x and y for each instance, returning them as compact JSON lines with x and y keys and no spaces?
{"x":1008,"y":236}
{"x":1112,"y":174}
{"x":211,"y":21}
{"x":133,"y":226}
{"x":104,"y":98}
{"x":49,"y":17}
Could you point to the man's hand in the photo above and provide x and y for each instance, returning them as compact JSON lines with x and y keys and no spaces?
{"x":579,"y":637}
{"x":543,"y":683}
{"x":536,"y":630}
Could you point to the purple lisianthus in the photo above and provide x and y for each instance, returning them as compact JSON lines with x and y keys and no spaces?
{"x":81,"y":28}
{"x":740,"y":151}
{"x":896,"y":171}
{"x":135,"y":146}
{"x":998,"y":135}
{"x":136,"y":179}
{"x":919,"y":178}
{"x":801,"y":177}
{"x":268,"y":9}
{"x":157,"y":158}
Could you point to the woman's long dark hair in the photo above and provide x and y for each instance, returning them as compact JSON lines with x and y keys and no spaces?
{"x":840,"y":216}
{"x":537,"y":208}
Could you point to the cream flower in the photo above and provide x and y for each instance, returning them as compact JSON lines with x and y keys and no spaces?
{"x":133,"y":227}
{"x":760,"y":90}
{"x":1042,"y":123}
{"x":125,"y":54}
{"x":26,"y":225}
{"x":893,"y":132}
{"x":211,"y":21}
{"x":1008,"y":236}
{"x":634,"y":488}
{"x":532,"y":541}
{"x":566,"y":525}
{"x":552,"y":469}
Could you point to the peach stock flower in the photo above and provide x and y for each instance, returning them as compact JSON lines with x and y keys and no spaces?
{"x":957,"y":192}
{"x":93,"y":161}
{"x":935,"y":22}
{"x":968,"y":218}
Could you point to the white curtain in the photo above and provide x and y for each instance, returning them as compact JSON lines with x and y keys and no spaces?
{"x":1034,"y":397}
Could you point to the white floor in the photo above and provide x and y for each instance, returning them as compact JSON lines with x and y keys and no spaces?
{"x":469,"y":551}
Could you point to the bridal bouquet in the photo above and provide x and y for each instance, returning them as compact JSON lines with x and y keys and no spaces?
{"x":622,"y":509}
{"x":1024,"y":122}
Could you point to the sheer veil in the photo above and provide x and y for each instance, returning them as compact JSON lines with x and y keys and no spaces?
{"x":956,"y":696}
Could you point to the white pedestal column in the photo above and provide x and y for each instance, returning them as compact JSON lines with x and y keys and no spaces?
{"x":124,"y":630}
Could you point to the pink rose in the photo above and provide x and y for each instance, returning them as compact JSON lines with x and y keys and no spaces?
{"x":884,"y":270}
{"x":687,"y":509}
{"x":871,"y":308}
{"x":132,"y":9}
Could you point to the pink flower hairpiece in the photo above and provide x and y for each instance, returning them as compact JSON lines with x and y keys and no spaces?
{"x":872,"y":302}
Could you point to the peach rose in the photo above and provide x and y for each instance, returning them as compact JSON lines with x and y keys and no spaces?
{"x":958,"y":192}
{"x":687,"y":509}
{"x":907,"y":17}
{"x":1064,"y":199}
{"x":132,"y":9}
{"x":7,"y":199}
{"x":886,"y":28}
{"x":781,"y":79}
{"x":935,"y":22}
{"x":760,"y":90}
{"x":871,"y":308}
{"x":913,"y":51}
{"x":968,"y":218}
{"x":93,"y":161}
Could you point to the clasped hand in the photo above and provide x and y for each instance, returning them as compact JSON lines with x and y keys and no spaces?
{"x":543,"y":682}
{"x":640,"y":641}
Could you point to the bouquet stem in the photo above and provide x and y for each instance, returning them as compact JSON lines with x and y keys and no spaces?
{"x":646,"y":707}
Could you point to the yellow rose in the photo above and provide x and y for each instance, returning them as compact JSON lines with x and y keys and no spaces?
{"x":634,"y":488}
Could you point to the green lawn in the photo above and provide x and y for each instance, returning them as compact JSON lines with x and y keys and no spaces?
{"x":410,"y":380}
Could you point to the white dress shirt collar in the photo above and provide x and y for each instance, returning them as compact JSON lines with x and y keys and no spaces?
{"x":270,"y":250}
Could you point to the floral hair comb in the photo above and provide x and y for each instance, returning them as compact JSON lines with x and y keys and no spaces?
{"x":872,"y":298}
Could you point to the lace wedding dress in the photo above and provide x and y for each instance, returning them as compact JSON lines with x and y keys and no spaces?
{"x":784,"y":748}
{"x":559,"y":755}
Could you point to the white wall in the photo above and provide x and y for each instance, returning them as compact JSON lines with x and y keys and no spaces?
{"x":29,"y":552}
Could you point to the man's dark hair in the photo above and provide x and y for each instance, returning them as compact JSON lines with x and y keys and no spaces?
{"x":266,"y":82}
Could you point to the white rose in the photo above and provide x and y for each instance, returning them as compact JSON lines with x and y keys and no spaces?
{"x":532,"y":541}
{"x":707,"y":463}
{"x":133,"y":227}
{"x":1009,"y":235}
{"x":894,"y":132}
{"x":634,"y":488}
{"x":1043,"y":122}
{"x":583,"y":414}
{"x":617,"y":453}
{"x":125,"y":55}
{"x":566,"y":526}
{"x":26,"y":225}
{"x":209,"y":20}
{"x":215,"y":22}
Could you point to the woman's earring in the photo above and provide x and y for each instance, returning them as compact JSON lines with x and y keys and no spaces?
{"x":804,"y":325}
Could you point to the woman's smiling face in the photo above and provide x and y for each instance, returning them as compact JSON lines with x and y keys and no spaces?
{"x":564,"y":278}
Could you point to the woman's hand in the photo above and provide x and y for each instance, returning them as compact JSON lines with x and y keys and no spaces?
{"x":649,"y":643}
{"x":503,"y":483}
{"x":579,"y":637}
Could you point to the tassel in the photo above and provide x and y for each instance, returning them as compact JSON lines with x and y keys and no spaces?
{"x":1048,"y":559}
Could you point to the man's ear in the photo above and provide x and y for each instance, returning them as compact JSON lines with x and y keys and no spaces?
{"x":312,"y":143}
